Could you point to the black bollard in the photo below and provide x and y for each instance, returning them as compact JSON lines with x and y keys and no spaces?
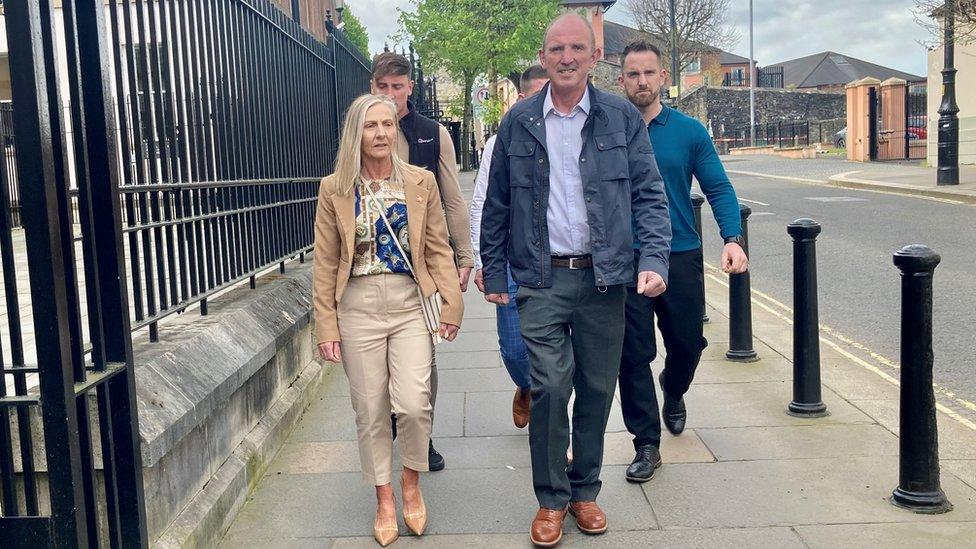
{"x":807,"y":400}
{"x":740,"y":305}
{"x":918,"y":489}
{"x":697,"y":200}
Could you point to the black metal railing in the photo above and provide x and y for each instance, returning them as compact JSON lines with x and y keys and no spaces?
{"x":424,"y":96}
{"x":768,"y":77}
{"x":793,"y":133}
{"x":178,"y":154}
{"x":7,"y":164}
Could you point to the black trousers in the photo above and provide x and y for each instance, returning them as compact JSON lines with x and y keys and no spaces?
{"x":573,"y":331}
{"x":679,"y":317}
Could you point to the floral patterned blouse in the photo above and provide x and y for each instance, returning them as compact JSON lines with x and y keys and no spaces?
{"x":375,"y":251}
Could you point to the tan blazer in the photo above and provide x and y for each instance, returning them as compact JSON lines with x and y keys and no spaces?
{"x":335,"y":239}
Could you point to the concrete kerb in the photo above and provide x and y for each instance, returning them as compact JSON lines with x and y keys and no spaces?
{"x":846,"y":181}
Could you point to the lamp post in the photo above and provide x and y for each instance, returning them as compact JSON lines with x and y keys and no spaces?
{"x":675,"y":65}
{"x":948,"y":172}
{"x":752,"y":86}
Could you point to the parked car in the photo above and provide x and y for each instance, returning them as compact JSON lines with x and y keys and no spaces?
{"x":918,"y":127}
{"x":840,"y":138}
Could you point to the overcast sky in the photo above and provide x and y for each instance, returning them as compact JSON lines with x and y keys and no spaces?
{"x":880,"y":31}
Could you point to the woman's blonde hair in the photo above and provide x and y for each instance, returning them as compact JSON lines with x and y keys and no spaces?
{"x":350,"y":156}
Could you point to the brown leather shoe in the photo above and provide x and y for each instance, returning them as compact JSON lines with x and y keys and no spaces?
{"x":547,"y":527}
{"x":520,"y":407}
{"x":590,"y":519}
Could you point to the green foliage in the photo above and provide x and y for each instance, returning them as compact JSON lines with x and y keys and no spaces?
{"x":493,"y":112}
{"x":355,"y":32}
{"x":468,"y":38}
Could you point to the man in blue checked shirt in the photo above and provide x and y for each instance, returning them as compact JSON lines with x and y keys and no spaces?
{"x":682,"y":149}
{"x":512,"y":346}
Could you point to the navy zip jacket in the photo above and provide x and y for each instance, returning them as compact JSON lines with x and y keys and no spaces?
{"x":620,"y":182}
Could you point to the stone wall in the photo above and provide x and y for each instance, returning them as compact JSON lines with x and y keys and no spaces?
{"x":727,"y":109}
{"x":604,"y":76}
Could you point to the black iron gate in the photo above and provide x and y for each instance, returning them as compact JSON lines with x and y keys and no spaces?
{"x":195,"y":132}
{"x":916,"y":122}
{"x":896,"y":136}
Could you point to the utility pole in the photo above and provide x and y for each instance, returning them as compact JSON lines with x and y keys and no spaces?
{"x":752,"y":86}
{"x":948,"y":172}
{"x":675,"y":64}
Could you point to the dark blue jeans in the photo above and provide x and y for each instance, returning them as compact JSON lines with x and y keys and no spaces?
{"x":514,"y":355}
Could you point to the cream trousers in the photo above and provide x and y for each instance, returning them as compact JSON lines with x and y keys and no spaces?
{"x":387,"y":355}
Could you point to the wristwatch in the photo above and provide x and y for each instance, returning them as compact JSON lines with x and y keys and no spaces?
{"x":737,"y":239}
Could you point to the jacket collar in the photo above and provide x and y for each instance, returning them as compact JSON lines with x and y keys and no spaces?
{"x":533,"y":117}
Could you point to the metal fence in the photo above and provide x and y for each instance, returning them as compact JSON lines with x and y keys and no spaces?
{"x":768,"y":77}
{"x":195,"y":133}
{"x":792,"y":133}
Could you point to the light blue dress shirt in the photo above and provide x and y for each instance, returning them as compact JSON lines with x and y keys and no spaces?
{"x":569,"y":230}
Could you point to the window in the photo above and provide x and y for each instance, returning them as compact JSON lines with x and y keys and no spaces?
{"x":693,"y":66}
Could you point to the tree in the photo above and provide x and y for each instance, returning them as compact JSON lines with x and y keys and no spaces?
{"x":700,"y":27}
{"x":472,"y":38}
{"x":355,"y":32}
{"x":930,"y":14}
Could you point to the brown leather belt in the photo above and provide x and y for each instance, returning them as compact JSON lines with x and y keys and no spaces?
{"x":573,"y":262}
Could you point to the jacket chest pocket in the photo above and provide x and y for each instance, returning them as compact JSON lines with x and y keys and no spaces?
{"x":612,"y":156}
{"x":521,"y":163}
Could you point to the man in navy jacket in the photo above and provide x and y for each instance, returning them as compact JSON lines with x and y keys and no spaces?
{"x":571,"y":167}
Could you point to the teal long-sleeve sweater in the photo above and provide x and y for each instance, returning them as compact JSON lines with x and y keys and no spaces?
{"x":683,"y":149}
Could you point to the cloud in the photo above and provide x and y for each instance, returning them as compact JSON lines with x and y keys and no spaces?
{"x":883,"y":32}
{"x":381,"y":19}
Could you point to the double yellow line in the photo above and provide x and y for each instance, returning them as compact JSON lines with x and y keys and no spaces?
{"x":882,"y":365}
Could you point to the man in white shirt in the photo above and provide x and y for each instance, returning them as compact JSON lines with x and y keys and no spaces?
{"x":514,"y":354}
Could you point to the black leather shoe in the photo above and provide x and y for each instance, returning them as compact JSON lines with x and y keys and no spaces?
{"x":673,"y":411}
{"x":435,"y":461}
{"x":648,"y":459}
{"x":393,"y":424}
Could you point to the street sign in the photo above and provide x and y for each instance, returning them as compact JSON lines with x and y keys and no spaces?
{"x":481,"y":95}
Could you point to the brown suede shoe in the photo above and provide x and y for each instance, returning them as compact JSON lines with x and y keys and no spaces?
{"x":547,"y":527}
{"x":520,"y":407}
{"x":590,"y":519}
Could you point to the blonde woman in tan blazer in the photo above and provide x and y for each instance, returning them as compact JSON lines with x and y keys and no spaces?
{"x":367,"y":310}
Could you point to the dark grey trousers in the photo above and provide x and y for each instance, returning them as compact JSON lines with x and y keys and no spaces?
{"x":574,"y":332}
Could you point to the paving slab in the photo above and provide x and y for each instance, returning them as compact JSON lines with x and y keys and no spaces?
{"x":475,"y":380}
{"x":911,"y":535}
{"x":759,"y":404}
{"x":490,"y":414}
{"x":322,"y":505}
{"x":716,"y":538}
{"x":238,"y":542}
{"x":618,"y":448}
{"x":799,"y":442}
{"x":856,"y":382}
{"x":470,"y":341}
{"x":963,"y":469}
{"x":317,"y":457}
{"x":467,"y":359}
{"x":723,"y":371}
{"x":449,"y":416}
{"x":790,"y":492}
{"x":327,"y":419}
{"x":956,"y":441}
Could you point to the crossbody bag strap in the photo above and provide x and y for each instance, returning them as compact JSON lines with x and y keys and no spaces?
{"x":379,"y":206}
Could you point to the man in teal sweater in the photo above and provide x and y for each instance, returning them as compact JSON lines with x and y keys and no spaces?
{"x":683,"y":149}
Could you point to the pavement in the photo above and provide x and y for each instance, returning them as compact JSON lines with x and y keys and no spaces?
{"x":744,"y":473}
{"x":905,"y":177}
